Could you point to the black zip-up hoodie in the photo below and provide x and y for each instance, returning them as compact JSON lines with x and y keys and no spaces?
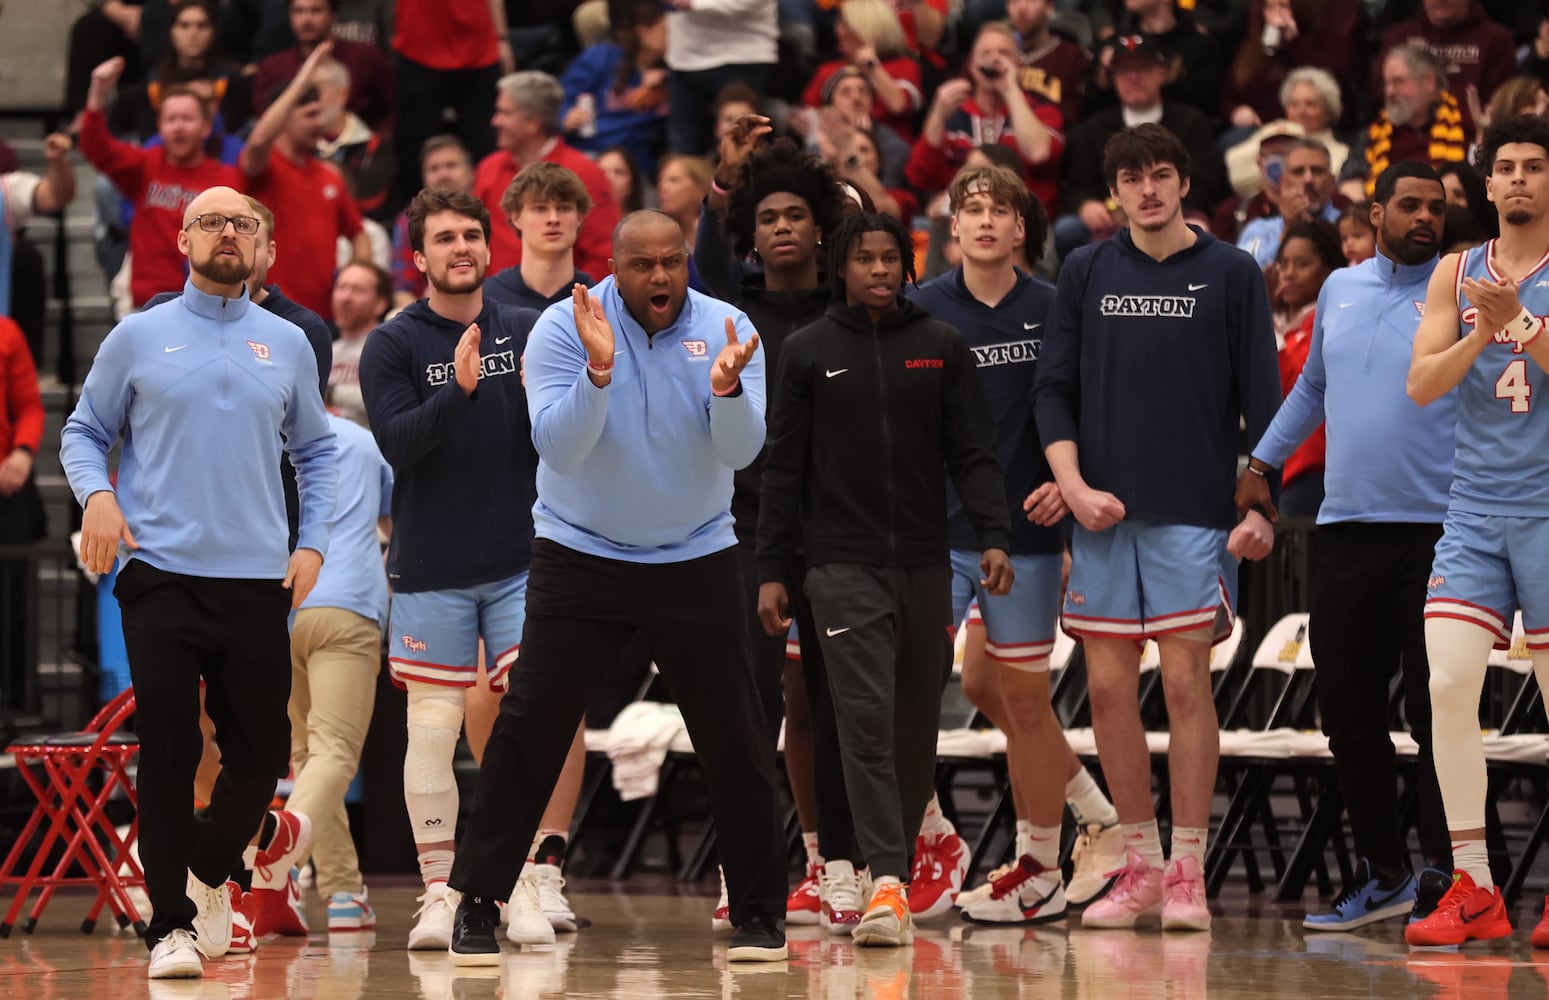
{"x":864,"y":418}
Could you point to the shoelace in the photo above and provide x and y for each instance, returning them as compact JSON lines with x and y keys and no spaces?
{"x":431,"y":899}
{"x":891,"y":896}
{"x":1182,"y":888}
{"x":1127,"y":880}
{"x":1013,"y":879}
{"x":1350,"y":893}
{"x":550,"y":894}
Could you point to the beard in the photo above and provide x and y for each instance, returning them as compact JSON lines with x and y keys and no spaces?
{"x":448,"y":283}
{"x":1517,"y":217}
{"x":223,"y":270}
{"x":1399,"y":111}
{"x":1407,"y":251}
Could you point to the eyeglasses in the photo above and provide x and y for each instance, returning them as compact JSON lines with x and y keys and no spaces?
{"x":213,"y":222}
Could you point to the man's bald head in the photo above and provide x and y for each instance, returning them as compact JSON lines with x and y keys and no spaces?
{"x":650,"y":266}
{"x":225,"y":200}
{"x":646,"y":225}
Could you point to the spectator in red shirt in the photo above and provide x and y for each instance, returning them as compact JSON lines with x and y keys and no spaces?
{"x":159,"y":181}
{"x":311,"y":203}
{"x":872,"y":41}
{"x":527,"y":130}
{"x":989,"y":107}
{"x":1054,"y":69}
{"x":444,"y":163}
{"x":21,"y":510}
{"x":312,"y":22}
{"x":450,"y":55}
{"x":1308,"y":254}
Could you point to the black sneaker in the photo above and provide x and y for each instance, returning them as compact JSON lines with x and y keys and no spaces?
{"x":1433,"y":884}
{"x":473,"y":932}
{"x":761,"y":939}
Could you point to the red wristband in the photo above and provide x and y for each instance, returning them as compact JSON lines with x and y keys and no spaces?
{"x":729,"y":392}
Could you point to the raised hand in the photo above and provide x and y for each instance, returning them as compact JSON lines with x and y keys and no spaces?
{"x":737,"y":144}
{"x":591,"y":323}
{"x":734,"y":357}
{"x":950,"y":96}
{"x":57,"y":146}
{"x":466,"y":361}
{"x":103,"y":78}
{"x":308,"y":71}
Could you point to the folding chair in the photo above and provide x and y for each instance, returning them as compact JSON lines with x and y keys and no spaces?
{"x":73,"y":776}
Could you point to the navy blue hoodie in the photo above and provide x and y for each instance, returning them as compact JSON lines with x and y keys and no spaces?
{"x":1149,"y":365}
{"x":508,"y":289}
{"x":1005,"y":341}
{"x":463,"y":465}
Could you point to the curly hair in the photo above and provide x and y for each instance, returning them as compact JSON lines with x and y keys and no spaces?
{"x":781,"y":166}
{"x":849,"y":233}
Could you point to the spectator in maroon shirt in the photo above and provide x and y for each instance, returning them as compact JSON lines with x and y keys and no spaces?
{"x":371,"y":78}
{"x":1473,"y":50}
{"x":1282,"y":36}
{"x":1054,"y":69}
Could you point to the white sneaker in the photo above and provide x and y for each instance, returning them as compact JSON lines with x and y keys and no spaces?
{"x":551,"y":896}
{"x":212,"y":919}
{"x":527,"y":923}
{"x":1096,"y":860}
{"x":843,"y":893}
{"x":720,"y":920}
{"x":1028,"y":894}
{"x":175,"y":957}
{"x":980,"y":893}
{"x":433,"y":927}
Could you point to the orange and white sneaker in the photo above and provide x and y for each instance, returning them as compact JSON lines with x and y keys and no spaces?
{"x":1540,"y":937}
{"x":804,"y":906}
{"x":243,"y":940}
{"x":887,"y":922}
{"x":1465,"y":913}
{"x":276,"y":892}
{"x":940,"y":865}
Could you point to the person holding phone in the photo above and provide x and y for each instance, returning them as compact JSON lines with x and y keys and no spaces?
{"x":1305,"y":185}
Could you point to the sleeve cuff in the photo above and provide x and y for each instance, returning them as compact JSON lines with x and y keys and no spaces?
{"x":314,"y":538}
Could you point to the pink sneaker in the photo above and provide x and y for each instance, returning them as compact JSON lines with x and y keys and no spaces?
{"x":1136,"y":893}
{"x":1183,"y":897}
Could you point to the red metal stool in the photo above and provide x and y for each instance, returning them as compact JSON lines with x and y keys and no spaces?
{"x":73,"y":776}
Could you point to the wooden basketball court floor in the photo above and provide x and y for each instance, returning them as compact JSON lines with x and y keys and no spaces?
{"x":651,"y":938}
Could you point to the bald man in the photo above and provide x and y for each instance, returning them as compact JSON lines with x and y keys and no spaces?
{"x":204,"y":391}
{"x":644,"y":397}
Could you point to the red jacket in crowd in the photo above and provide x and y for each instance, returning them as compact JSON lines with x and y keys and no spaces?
{"x":931,"y":168}
{"x":160,"y":191}
{"x":312,"y":208}
{"x":442,"y":35}
{"x":594,"y":245}
{"x":1293,"y":358}
{"x":21,"y":416}
{"x":904,"y":71}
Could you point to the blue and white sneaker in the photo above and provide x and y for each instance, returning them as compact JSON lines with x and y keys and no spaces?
{"x":1366,"y":901}
{"x":348,"y":911}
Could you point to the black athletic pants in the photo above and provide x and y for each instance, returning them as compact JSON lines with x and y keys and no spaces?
{"x":233,"y":634}
{"x":582,"y":611}
{"x":887,"y":646}
{"x":1367,"y":621}
{"x":836,"y":833}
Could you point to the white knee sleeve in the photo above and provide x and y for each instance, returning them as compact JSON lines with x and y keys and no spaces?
{"x":1541,"y":671}
{"x":1458,"y":652}
{"x":429,"y":787}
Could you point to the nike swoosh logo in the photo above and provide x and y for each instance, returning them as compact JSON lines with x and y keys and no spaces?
{"x":169,"y":350}
{"x":1195,"y":288}
{"x":1031,"y":326}
{"x":1469,"y":918}
{"x":1346,"y":305}
{"x":1377,"y":903}
{"x":1031,"y":911}
{"x":832,"y":372}
{"x":836,"y":631}
{"x":501,"y":340}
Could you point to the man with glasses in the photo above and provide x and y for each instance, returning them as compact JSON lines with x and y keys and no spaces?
{"x":204,"y":392}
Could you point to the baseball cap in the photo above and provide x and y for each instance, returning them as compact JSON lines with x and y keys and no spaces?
{"x":1128,"y":47}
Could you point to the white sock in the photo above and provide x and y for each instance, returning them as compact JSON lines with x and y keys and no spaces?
{"x":810,"y":842}
{"x":1044,"y":846}
{"x":1087,"y":802}
{"x":1190,"y":842}
{"x":436,"y":867}
{"x":1145,"y":840}
{"x":1024,"y":837}
{"x":936,"y":823}
{"x":1473,"y":857}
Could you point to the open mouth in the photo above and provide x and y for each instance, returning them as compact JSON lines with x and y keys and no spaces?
{"x":881,"y":291}
{"x":660,"y":302}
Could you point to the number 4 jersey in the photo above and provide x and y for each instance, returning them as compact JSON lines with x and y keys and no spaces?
{"x":1502,"y":461}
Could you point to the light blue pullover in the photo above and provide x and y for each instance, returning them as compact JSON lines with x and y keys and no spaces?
{"x":1388,"y":459}
{"x":206,"y":392}
{"x":640,"y":470}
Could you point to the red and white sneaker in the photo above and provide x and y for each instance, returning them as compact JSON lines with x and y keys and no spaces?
{"x":1465,"y":913}
{"x":720,"y":920}
{"x":843,"y":893}
{"x":243,"y":940}
{"x":1027,"y":894}
{"x":804,"y":906}
{"x":940,"y":865}
{"x":277,"y":905}
{"x":1540,"y":937}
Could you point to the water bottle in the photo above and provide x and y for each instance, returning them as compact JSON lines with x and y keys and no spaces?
{"x":588,"y":103}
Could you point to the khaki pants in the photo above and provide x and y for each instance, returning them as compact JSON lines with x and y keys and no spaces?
{"x":334,"y":658}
